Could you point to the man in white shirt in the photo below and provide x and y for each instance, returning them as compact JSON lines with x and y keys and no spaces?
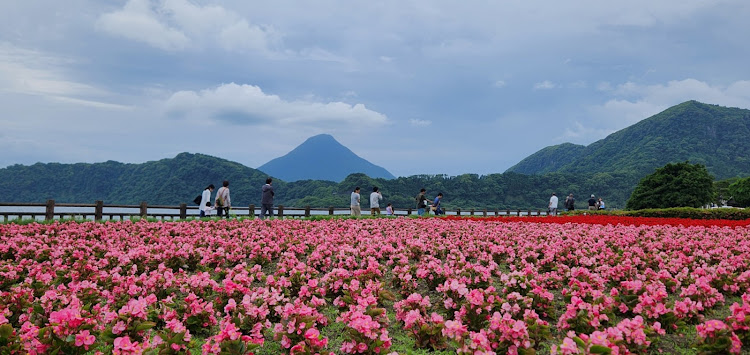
{"x":375,"y":198}
{"x":552,"y":205}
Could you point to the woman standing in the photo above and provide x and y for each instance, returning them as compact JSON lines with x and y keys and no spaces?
{"x":223,"y":202}
{"x":206,"y":200}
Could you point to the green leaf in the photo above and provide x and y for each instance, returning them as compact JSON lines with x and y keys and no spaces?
{"x":598,"y":349}
{"x":145,"y":326}
{"x":6,"y":330}
{"x":580,"y":342}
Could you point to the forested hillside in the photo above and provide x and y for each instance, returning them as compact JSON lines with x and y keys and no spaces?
{"x":178,"y":180}
{"x":714,"y":136}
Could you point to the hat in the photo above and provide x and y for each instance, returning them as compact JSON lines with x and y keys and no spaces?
{"x":592,"y":195}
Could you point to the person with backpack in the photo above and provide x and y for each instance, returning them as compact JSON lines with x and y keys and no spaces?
{"x":421,"y":202}
{"x":266,"y":199}
{"x":570,"y":203}
{"x":223,"y":202}
{"x":205,"y":202}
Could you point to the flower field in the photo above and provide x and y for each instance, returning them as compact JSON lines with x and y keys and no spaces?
{"x":567,"y":285}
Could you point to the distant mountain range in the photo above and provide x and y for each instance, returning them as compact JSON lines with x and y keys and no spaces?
{"x":717,"y":137}
{"x":321,"y":157}
{"x":711,"y":135}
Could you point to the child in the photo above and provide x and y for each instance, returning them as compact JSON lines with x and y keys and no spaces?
{"x":207,"y":210}
{"x":389,"y":210}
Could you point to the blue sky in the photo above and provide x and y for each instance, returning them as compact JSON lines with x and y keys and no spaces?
{"x":417,"y":87}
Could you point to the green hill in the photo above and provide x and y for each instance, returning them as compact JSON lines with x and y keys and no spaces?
{"x":166,"y":181}
{"x":714,"y":136}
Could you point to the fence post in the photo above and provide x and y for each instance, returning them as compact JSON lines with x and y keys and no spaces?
{"x":183,"y":211}
{"x":307,"y":211}
{"x":484,"y":212}
{"x":49,"y":213}
{"x":281,"y":211}
{"x":251,"y":211}
{"x":528,"y":213}
{"x":458,"y":211}
{"x":98,"y":210}
{"x":408,"y":211}
{"x":144,"y":209}
{"x":471,"y":212}
{"x":507,"y":212}
{"x":330,"y":211}
{"x":496,"y":212}
{"x":518,"y":212}
{"x":538,"y":212}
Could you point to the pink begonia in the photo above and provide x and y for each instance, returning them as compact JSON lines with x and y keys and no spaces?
{"x":123,"y":345}
{"x":85,"y":339}
{"x":454,"y":329}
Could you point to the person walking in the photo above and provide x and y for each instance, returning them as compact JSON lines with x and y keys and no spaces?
{"x":356,"y":211}
{"x":570,"y":203}
{"x":266,"y":199}
{"x":552,"y":207}
{"x":436,"y":205}
{"x":205,"y":204}
{"x":592,"y":203}
{"x":223,"y":202}
{"x":421,"y":202}
{"x":375,"y":198}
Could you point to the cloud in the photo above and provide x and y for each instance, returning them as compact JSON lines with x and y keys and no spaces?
{"x":499,"y":84}
{"x":175,"y":25}
{"x":31,"y":72}
{"x":544,"y":85}
{"x":633,"y":102}
{"x":419,"y":123}
{"x":249,"y":105}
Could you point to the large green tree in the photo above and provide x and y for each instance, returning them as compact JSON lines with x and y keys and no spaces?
{"x":740,"y":192}
{"x":673,"y":185}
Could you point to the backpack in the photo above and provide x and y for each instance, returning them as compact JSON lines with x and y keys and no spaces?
{"x":198,"y":199}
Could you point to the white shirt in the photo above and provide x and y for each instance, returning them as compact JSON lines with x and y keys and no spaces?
{"x":553,"y":202}
{"x":374,"y":198}
{"x":206,"y":198}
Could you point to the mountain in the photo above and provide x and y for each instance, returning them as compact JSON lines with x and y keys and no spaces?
{"x":167,"y":181}
{"x":321,"y":157}
{"x":712,"y":135}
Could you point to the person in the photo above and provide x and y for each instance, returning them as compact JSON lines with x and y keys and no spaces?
{"x":421,"y":202}
{"x":207,"y":210}
{"x":266,"y":199}
{"x":552,"y":207}
{"x":389,"y":210}
{"x":356,"y":211}
{"x":592,"y":203}
{"x":600,"y":204}
{"x":206,"y":200}
{"x":570,"y":203}
{"x":436,"y":204}
{"x":375,"y":198}
{"x":223,"y":202}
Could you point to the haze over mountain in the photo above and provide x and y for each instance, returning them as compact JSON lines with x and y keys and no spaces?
{"x":321,"y":157}
{"x":712,"y":135}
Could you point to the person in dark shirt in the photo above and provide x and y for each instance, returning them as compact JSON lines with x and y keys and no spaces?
{"x":592,"y":203}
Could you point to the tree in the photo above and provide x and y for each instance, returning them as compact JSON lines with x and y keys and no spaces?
{"x":673,"y":185}
{"x":740,"y":192}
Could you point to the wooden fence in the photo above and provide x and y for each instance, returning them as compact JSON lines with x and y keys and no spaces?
{"x":99,"y":211}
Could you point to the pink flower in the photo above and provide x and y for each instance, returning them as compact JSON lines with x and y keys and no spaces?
{"x":85,"y":339}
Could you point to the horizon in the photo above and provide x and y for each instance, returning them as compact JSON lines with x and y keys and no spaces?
{"x":416,"y":87}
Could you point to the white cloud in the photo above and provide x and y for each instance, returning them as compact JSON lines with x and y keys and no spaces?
{"x":180,"y":24}
{"x":30,"y":72}
{"x":499,"y":84}
{"x":544,"y":85}
{"x":249,"y":105}
{"x":386,"y":59}
{"x":419,"y":123}
{"x":634,"y":102}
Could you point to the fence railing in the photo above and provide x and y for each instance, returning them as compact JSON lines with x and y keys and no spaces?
{"x":99,"y":211}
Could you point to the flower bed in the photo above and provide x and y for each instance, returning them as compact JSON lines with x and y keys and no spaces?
{"x":597,"y":284}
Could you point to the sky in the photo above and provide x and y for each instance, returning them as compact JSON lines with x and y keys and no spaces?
{"x":415,"y":86}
